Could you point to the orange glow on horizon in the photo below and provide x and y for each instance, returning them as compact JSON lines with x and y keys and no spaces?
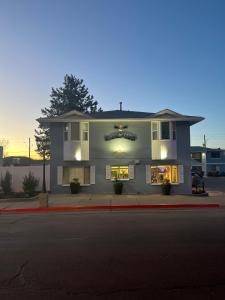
{"x":21,"y":151}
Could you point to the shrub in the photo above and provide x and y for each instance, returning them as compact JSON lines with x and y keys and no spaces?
{"x":30,"y":184}
{"x":6,"y":183}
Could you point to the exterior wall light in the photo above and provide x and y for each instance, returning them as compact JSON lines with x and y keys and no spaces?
{"x":163,"y":152}
{"x":78,"y":154}
{"x":120,"y":150}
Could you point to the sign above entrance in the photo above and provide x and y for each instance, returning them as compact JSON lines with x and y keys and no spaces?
{"x":121,"y":133}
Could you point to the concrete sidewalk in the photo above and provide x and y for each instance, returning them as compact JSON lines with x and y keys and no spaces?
{"x":82,"y":200}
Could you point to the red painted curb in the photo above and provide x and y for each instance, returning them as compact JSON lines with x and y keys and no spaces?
{"x":108,"y":207}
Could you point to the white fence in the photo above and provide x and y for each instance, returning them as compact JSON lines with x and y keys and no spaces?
{"x":19,"y":172}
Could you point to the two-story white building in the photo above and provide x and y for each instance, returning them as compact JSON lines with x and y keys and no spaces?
{"x":139,"y":148}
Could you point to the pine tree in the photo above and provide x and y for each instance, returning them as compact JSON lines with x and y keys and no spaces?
{"x":73,"y":95}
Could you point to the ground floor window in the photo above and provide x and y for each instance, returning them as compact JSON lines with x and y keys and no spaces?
{"x":81,"y":173}
{"x":161,"y":173}
{"x":119,"y":172}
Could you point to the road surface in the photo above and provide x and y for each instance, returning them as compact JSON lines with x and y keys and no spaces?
{"x":148,"y":254}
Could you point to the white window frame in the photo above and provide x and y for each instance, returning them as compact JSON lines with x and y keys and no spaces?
{"x":158,"y":131}
{"x":67,"y":184}
{"x":66,"y":125}
{"x":172,"y":126}
{"x":83,"y":130}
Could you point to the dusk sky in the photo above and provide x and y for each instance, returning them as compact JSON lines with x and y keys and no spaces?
{"x":151,"y":55}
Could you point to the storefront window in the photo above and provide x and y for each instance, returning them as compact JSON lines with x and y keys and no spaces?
{"x":161,"y":173}
{"x":119,"y":172}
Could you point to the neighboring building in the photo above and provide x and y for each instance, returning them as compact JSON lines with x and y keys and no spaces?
{"x":21,"y":161}
{"x":207,"y":159}
{"x":139,"y":148}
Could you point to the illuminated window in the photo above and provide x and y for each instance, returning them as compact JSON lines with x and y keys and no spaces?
{"x":161,"y":173}
{"x":81,"y":173}
{"x":119,"y":172}
{"x":155,"y":131}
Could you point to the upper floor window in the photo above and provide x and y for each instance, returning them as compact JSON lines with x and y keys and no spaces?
{"x":75,"y":131}
{"x":174,"y":130}
{"x":155,"y":131}
{"x":165,"y":130}
{"x":197,"y":156}
{"x":85,"y":132}
{"x":215,"y":154}
{"x":66,"y":131}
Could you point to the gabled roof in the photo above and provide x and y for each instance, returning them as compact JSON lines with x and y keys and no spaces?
{"x":74,"y":113}
{"x":120,"y":114}
{"x":165,"y":114}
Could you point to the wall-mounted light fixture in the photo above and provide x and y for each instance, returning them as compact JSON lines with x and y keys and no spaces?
{"x":78,"y":154}
{"x":163,"y":152}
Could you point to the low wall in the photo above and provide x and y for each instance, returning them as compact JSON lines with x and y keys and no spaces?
{"x":19,"y":172}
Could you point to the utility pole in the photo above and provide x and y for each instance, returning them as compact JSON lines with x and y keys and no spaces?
{"x":29,"y":151}
{"x":204,"y":158}
{"x":204,"y":142}
{"x":44,"y":181}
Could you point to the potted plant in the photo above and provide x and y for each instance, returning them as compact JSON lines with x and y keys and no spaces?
{"x":75,"y":186}
{"x":166,"y":187}
{"x":118,"y":187}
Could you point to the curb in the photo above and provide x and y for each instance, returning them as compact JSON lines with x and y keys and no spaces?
{"x":108,"y":207}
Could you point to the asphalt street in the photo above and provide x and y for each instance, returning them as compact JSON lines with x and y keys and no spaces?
{"x":148,"y":254}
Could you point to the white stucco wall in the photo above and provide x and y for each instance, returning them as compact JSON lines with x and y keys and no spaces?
{"x":18,"y":173}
